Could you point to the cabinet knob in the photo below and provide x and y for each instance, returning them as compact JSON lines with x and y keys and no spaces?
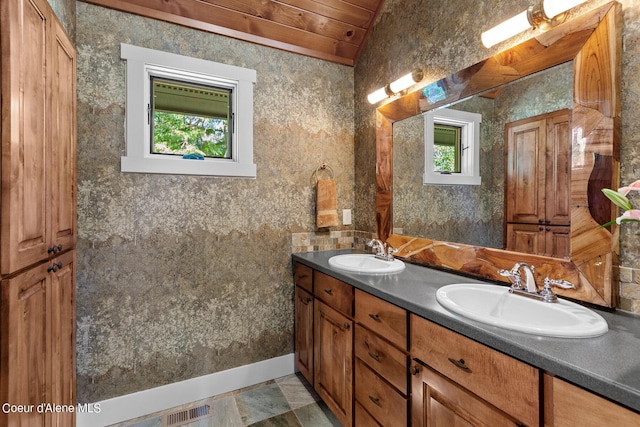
{"x":548,"y":229}
{"x":374,"y":356}
{"x":309,"y":299}
{"x":329,"y":291}
{"x":347,"y":326}
{"x":55,"y":267}
{"x":540,"y":221}
{"x":414,"y":370}
{"x":54,"y":249}
{"x":540,"y":228}
{"x":375,"y":317}
{"x":547,"y":221}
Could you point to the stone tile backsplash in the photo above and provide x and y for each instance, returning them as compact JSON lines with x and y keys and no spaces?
{"x":629,"y":289}
{"x":329,"y":240}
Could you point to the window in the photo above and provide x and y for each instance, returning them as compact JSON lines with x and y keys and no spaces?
{"x":187,"y":115}
{"x":452,"y":147}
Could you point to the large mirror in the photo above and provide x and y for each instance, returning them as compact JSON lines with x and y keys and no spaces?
{"x":471,"y":214}
{"x":463,"y":227}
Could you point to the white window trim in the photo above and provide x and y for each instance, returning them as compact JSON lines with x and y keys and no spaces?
{"x":143,"y":63}
{"x":470,"y":134}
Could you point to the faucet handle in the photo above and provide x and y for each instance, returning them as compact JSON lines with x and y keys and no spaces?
{"x":564,"y":284}
{"x":513,"y":275}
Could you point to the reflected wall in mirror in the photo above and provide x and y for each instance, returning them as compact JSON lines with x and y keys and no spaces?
{"x":593,"y":42}
{"x":461,"y":213}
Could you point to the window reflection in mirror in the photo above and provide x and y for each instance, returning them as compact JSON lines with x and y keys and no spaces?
{"x":447,"y":148}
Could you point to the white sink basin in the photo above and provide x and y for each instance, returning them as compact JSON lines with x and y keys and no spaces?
{"x":494,"y":305}
{"x":365,"y":263}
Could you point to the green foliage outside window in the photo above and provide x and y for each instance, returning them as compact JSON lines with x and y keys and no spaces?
{"x":444,"y":158}
{"x":181,"y":134}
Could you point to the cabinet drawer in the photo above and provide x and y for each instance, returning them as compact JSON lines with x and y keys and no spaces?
{"x":389,"y":362}
{"x":507,"y":383}
{"x":386,"y":405}
{"x":333,"y":292}
{"x":384,"y":318}
{"x":363,"y":418}
{"x":303,"y":277}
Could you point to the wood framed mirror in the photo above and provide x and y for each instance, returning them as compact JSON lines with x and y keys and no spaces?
{"x":594,"y":43}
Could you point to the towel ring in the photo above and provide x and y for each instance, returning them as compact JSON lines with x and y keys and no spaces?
{"x":324,"y":167}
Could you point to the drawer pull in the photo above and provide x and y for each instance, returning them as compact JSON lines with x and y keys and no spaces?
{"x":329,"y":291}
{"x":302,"y":276}
{"x":460,"y":364}
{"x":414,"y":370}
{"x":375,"y":400}
{"x":375,"y":317}
{"x":374,"y":356}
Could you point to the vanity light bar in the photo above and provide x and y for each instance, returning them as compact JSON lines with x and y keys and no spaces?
{"x":546,"y":14}
{"x":396,"y":86}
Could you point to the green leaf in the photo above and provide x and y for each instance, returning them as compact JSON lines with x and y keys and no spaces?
{"x":618,"y":199}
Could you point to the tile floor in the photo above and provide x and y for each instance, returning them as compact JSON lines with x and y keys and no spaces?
{"x":287,"y":402}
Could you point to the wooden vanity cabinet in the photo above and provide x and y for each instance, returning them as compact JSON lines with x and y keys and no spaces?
{"x":381,"y":383}
{"x":566,"y":405}
{"x":333,"y":345}
{"x":472,"y":374}
{"x":303,"y":323}
{"x":538,"y":184}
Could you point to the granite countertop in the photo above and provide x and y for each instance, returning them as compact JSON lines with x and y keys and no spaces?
{"x":608,"y":365}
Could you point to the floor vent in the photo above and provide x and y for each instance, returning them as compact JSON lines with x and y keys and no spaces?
{"x":186,"y":416}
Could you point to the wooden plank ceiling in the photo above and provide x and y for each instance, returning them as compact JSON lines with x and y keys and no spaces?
{"x":332,"y":30}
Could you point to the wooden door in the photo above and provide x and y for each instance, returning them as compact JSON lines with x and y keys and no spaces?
{"x":24,"y":344}
{"x":526,"y":238}
{"x":63,"y":337}
{"x":304,"y":333}
{"x":558,"y":172}
{"x":558,"y":241}
{"x":525,"y":170}
{"x":63,"y":142}
{"x":437,"y":401}
{"x":24,"y":213}
{"x":333,"y":361}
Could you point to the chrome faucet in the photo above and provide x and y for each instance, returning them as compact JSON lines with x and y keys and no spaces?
{"x":529,"y":288}
{"x":383,"y":250}
{"x":516,"y":278}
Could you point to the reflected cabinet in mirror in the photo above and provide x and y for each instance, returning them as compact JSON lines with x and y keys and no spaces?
{"x":549,"y":139}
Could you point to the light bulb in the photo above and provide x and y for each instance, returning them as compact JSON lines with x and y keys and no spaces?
{"x":377,"y":96}
{"x":507,"y":29}
{"x":552,"y":8}
{"x":402,"y":83}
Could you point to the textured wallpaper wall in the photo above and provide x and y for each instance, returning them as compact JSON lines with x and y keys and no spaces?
{"x":182,"y":276}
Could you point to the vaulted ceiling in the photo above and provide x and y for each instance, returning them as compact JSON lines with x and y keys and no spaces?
{"x":333,"y":30}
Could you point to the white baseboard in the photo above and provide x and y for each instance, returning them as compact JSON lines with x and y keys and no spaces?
{"x":158,"y":399}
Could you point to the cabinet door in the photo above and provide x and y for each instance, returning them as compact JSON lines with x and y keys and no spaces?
{"x":566,"y":405}
{"x":63,"y":142}
{"x":304,"y":333}
{"x":24,"y":338}
{"x":525,"y":170}
{"x":557,"y":241}
{"x":25,"y":133}
{"x":333,"y":361}
{"x":439,"y":402}
{"x":558,"y":172}
{"x":526,"y":238}
{"x":63,"y":337}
